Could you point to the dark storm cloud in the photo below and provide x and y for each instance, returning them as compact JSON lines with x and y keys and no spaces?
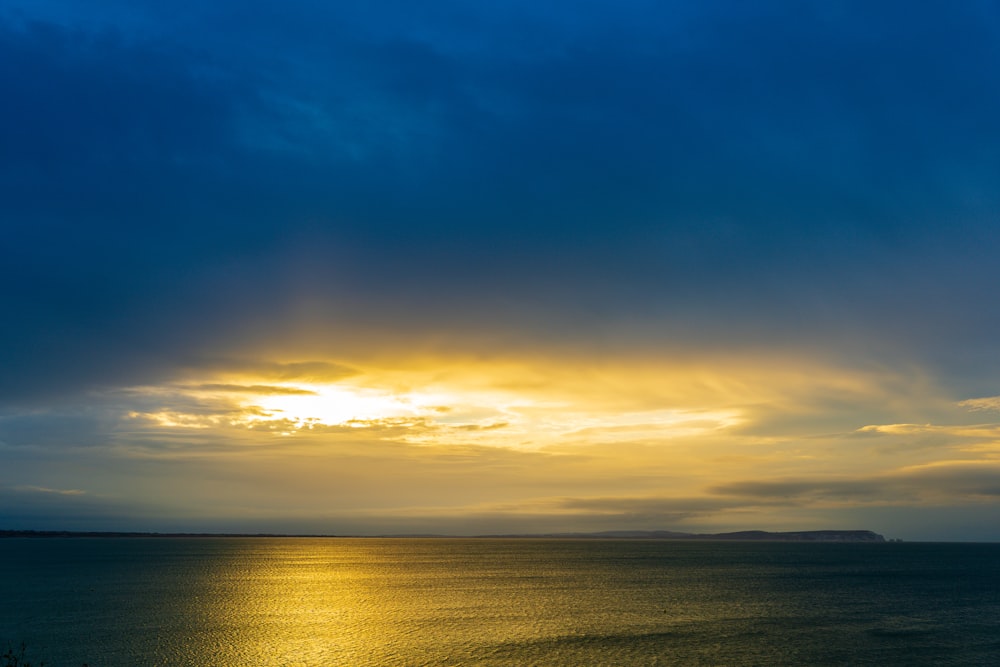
{"x":765,"y":172}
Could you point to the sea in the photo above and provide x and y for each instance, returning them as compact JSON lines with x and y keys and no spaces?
{"x":356,"y":602}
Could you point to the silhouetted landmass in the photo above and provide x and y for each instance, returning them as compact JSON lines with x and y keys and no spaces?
{"x":741,"y":536}
{"x":801,"y":536}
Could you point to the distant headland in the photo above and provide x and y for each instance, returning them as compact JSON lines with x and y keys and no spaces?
{"x":738,"y":536}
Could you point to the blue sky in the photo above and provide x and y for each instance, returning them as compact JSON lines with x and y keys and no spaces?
{"x":749,"y":245}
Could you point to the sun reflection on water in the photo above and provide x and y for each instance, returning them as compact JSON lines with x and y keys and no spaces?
{"x":376,"y":602}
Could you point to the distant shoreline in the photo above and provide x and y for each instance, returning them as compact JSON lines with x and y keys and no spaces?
{"x":739,"y":536}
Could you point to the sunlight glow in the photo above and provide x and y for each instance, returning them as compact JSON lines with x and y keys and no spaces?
{"x":485,"y":408}
{"x":332,"y":405}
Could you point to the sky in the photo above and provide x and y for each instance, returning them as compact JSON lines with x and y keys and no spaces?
{"x":447,"y":267}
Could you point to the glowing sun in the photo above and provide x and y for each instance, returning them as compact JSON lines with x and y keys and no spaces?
{"x":332,"y":405}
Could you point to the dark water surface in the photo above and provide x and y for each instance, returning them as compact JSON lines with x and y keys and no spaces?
{"x":239,"y":602}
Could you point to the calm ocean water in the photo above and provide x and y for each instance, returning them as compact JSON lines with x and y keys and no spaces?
{"x":235,"y":602}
